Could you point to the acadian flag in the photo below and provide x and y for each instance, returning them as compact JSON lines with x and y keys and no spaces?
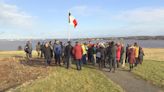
{"x":72,"y":20}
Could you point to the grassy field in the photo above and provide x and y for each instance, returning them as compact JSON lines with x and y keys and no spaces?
{"x":63,"y":80}
{"x":9,"y":54}
{"x":90,"y":79}
{"x":152,"y":68}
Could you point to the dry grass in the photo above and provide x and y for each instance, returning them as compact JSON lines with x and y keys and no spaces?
{"x":9,"y":54}
{"x":13,"y":73}
{"x":61,"y":79}
{"x":152,"y":68}
{"x":156,"y":54}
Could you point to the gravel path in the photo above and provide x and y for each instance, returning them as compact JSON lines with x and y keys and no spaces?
{"x":130,"y":83}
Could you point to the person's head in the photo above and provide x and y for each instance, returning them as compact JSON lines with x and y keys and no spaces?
{"x":112,"y":43}
{"x":94,"y":45}
{"x":102,"y":45}
{"x":69,"y":42}
{"x":122,"y":45}
{"x":57,"y":42}
{"x":117,"y":44}
{"x":77,"y":42}
{"x":135,"y":44}
{"x":38,"y":43}
{"x":47,"y":44}
{"x":61,"y":43}
{"x":50,"y":42}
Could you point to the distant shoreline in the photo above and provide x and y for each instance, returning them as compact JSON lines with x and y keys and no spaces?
{"x":104,"y":38}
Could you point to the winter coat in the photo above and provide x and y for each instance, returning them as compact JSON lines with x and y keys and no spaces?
{"x":136,"y":51}
{"x":113,"y":51}
{"x":58,"y":49}
{"x":94,"y":50}
{"x":141,"y":54}
{"x":68,"y":51}
{"x":101,"y":53}
{"x":38,"y":47}
{"x":90,"y":51}
{"x":77,"y":51}
{"x":131,"y":55}
{"x":118,"y":53}
{"x":122,"y":52}
{"x":98,"y":54}
{"x":84,"y":49}
{"x":28,"y":48}
{"x":47,"y":52}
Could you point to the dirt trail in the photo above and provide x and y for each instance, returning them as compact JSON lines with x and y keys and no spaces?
{"x":130,"y":83}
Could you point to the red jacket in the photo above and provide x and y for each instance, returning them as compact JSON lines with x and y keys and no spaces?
{"x":131,"y":55}
{"x":118,"y":53}
{"x":77,"y":51}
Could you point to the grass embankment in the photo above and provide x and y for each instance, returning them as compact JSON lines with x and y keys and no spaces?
{"x":60,"y":79}
{"x":152,"y":68}
{"x":63,"y":80}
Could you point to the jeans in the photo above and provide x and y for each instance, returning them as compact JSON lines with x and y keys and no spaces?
{"x":68,"y":62}
{"x":29,"y":55}
{"x":136,"y":61}
{"x":94,"y":59}
{"x":47,"y":61}
{"x":99,"y":62}
{"x":112,"y":63}
{"x":57,"y":59}
{"x":84,"y":60}
{"x":78,"y":64}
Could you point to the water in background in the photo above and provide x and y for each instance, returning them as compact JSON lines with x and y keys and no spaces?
{"x":13,"y":45}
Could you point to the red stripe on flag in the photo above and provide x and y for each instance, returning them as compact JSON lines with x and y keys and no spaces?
{"x":75,"y":22}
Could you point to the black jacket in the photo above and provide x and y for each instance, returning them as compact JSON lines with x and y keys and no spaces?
{"x":47,"y":52}
{"x":68,"y":51}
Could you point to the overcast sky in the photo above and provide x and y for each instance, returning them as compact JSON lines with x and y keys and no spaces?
{"x":21,"y":19}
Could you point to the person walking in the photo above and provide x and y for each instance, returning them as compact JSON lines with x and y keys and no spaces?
{"x":136,"y":53}
{"x":54,"y":46}
{"x":90,"y":53}
{"x":68,"y":54}
{"x":42,"y":47}
{"x":38,"y":49}
{"x":58,"y":52}
{"x":28,"y":49}
{"x":77,"y":52}
{"x":47,"y":54}
{"x":122,"y":61}
{"x":94,"y":48}
{"x":118,"y":54}
{"x":126,"y":57}
{"x":100,"y":55}
{"x":84,"y":57}
{"x":131,"y":56}
{"x":141,"y":55}
{"x":62,"y":52}
{"x":51,"y":46}
{"x":111,"y":51}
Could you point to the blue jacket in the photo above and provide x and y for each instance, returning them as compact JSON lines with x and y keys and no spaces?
{"x":58,"y":49}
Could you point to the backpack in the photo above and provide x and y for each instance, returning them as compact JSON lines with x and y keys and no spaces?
{"x":26,"y":49}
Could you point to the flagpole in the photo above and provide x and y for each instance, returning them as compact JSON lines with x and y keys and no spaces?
{"x":69,"y":37}
{"x":69,"y":34}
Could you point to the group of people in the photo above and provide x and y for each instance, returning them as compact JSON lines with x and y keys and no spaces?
{"x":104,"y":54}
